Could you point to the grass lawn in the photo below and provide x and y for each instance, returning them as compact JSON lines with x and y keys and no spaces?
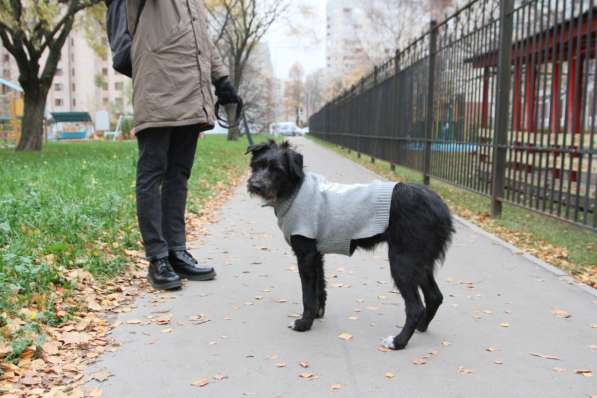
{"x":73,"y":206}
{"x":562,"y":244}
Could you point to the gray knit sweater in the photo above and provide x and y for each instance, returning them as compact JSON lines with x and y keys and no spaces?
{"x":334,"y":214}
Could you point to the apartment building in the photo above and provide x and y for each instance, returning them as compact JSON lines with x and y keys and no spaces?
{"x":84,"y":81}
{"x":352,"y":43}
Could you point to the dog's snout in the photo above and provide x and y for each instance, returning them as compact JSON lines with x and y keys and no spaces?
{"x":256,"y":186}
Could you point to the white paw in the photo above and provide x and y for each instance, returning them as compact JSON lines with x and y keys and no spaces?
{"x":291,"y":325}
{"x":388,"y":342}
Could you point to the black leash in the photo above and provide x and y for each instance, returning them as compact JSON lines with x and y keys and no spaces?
{"x":240,"y":114}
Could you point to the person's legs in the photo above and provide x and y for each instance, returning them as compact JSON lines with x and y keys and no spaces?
{"x":151,"y":170}
{"x":181,"y":156}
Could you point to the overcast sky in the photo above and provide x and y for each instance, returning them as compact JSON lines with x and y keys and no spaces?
{"x":308,"y":48}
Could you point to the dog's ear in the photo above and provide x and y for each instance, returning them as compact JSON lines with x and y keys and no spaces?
{"x":295,"y":165}
{"x":285,"y":145}
{"x":259,"y":148}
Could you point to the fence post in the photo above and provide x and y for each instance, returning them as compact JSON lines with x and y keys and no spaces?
{"x":500,"y":140}
{"x":430,"y":100}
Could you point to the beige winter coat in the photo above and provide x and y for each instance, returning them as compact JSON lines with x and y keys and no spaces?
{"x":174,"y":64}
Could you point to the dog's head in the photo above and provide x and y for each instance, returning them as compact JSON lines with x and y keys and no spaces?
{"x":277,"y":171}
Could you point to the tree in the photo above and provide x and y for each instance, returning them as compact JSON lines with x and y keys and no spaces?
{"x":34,"y":32}
{"x":258,"y":89}
{"x":294,"y":93}
{"x":238,"y":26}
{"x":314,"y":92}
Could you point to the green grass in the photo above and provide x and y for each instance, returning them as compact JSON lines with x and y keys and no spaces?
{"x":578,"y":250}
{"x":73,"y":206}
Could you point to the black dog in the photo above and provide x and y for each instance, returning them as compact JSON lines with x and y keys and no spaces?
{"x":419,"y":232}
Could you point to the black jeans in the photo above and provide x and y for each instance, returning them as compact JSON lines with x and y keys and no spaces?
{"x":166,"y":157}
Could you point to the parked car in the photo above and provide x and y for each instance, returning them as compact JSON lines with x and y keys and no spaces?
{"x":289,"y":129}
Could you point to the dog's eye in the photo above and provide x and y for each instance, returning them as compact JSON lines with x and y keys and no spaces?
{"x":274,"y":168}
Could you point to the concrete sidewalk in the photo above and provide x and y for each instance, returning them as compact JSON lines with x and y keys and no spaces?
{"x":498,"y":310}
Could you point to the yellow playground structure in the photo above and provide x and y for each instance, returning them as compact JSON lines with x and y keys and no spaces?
{"x":11,"y":112}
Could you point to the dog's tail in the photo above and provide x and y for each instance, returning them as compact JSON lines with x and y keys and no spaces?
{"x":424,"y":221}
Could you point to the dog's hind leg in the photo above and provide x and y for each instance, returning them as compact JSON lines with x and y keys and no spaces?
{"x":433,"y":300}
{"x":406,"y":276}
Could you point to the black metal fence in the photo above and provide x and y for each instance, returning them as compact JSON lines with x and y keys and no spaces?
{"x":499,"y":99}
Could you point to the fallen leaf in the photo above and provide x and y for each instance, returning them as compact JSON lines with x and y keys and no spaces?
{"x":559,"y":370}
{"x":304,"y":364}
{"x":281,"y":301}
{"x":307,"y":376}
{"x":544,"y":356}
{"x":336,"y":387}
{"x":345,"y":336}
{"x":446,"y":343}
{"x":101,"y":375}
{"x":389,"y":375}
{"x":166,"y":331}
{"x":594,"y":325}
{"x":464,"y":371}
{"x":491,"y":349}
{"x":353,"y":318}
{"x":505,"y":324}
{"x":584,"y":372}
{"x":220,"y":377}
{"x":419,"y":361}
{"x":498,"y":362}
{"x":163,"y":319}
{"x":76,"y":338}
{"x":95,"y":393}
{"x":383,"y":349}
{"x":134,"y":322}
{"x":200,"y":383}
{"x":561,"y":313}
{"x":281,"y":365}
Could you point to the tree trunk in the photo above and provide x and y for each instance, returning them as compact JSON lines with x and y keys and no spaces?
{"x":234,"y":132}
{"x":32,"y":129}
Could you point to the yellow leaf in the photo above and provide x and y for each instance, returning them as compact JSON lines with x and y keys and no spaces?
{"x":584,"y":372}
{"x":389,"y":375}
{"x":345,"y":336}
{"x":200,"y":383}
{"x":95,"y":393}
{"x":544,"y":356}
{"x":560,"y":313}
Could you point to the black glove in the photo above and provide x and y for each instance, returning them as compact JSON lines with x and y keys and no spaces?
{"x":226,"y":93}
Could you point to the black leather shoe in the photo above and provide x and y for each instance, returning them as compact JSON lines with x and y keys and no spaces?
{"x":187,"y":267}
{"x":162,"y":276}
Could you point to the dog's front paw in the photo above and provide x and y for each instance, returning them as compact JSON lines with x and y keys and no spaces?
{"x":301,"y":325}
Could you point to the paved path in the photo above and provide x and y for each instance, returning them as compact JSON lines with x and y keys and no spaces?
{"x":494,"y":300}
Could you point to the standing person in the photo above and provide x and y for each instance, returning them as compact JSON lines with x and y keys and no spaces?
{"x":174,"y":65}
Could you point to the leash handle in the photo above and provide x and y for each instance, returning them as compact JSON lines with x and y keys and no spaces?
{"x":240,"y":114}
{"x":223,"y":122}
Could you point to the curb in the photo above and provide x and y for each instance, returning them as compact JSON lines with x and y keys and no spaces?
{"x":558,"y":273}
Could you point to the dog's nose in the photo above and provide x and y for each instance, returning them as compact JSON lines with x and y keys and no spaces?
{"x":256,"y":187}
